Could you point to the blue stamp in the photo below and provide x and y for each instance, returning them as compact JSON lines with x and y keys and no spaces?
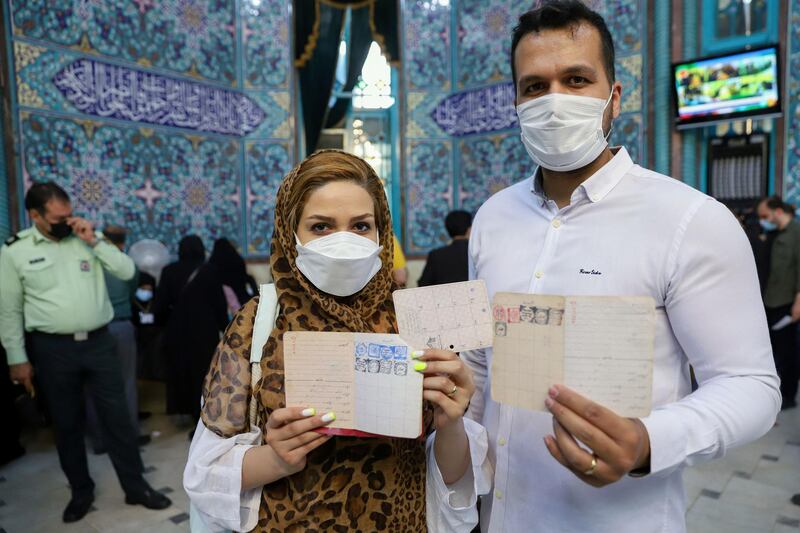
{"x":401,"y":353}
{"x":374,"y":351}
{"x":386,"y":352}
{"x":361,"y":349}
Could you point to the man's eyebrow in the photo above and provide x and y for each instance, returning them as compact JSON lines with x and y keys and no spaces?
{"x":578,"y":69}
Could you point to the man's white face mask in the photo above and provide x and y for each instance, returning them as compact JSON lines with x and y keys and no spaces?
{"x":563,"y":132}
{"x":340,"y":264}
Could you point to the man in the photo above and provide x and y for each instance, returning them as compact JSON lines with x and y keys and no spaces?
{"x":120,"y":293}
{"x":782,"y":291}
{"x":448,"y":264}
{"x":51,"y":280}
{"x":591,"y":222}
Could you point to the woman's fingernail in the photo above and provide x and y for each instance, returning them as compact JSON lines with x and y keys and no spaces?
{"x":420,"y":366}
{"x":329,"y":417}
{"x":548,"y":402}
{"x":553,"y":392}
{"x":416,"y":354}
{"x":309,"y":412}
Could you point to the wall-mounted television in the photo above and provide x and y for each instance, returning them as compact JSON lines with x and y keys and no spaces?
{"x":733,"y":86}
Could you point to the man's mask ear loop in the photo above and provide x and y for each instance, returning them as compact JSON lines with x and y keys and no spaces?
{"x":611,"y":127}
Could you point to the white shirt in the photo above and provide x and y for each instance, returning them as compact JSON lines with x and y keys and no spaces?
{"x":627,"y":231}
{"x":213,"y":479}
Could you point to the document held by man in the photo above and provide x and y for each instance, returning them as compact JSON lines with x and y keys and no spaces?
{"x":367,"y":379}
{"x":600,"y":346}
{"x":453,"y":316}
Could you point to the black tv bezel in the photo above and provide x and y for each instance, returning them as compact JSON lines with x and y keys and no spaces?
{"x":707,"y":120}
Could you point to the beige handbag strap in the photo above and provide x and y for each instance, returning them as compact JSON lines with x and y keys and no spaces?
{"x":266,"y":314}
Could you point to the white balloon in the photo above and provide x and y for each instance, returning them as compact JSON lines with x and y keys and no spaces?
{"x":150,"y":256}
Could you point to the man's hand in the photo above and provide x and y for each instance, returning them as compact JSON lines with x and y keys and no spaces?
{"x":619,"y":444}
{"x":796,"y":309}
{"x":22,"y":373}
{"x":83,"y":229}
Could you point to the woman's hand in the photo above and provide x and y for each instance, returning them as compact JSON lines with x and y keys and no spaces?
{"x":447,"y":385}
{"x":291,"y":435}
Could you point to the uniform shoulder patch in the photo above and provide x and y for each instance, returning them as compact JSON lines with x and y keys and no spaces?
{"x":11,"y":240}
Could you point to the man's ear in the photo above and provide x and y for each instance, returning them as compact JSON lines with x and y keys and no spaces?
{"x":616,"y":99}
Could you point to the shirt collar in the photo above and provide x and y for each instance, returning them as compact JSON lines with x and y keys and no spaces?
{"x":600,"y":183}
{"x":37,"y":235}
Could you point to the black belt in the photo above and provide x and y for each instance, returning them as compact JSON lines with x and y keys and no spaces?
{"x":78,"y":336}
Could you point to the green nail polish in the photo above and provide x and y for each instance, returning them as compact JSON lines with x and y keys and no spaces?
{"x":420,"y":366}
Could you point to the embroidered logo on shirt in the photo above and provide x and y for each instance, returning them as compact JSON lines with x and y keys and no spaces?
{"x":591,"y":272}
{"x":37,"y":260}
{"x":84,"y":266}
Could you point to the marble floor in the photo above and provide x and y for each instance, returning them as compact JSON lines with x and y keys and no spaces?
{"x":746,"y":492}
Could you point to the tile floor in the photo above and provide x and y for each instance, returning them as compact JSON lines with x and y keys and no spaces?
{"x":748,"y":491}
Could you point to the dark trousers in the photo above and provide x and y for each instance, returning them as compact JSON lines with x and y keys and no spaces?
{"x":63,"y":368}
{"x":784,"y":350}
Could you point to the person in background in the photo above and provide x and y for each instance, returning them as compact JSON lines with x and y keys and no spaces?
{"x":120,"y":292}
{"x":237,"y":284}
{"x":782,"y":291}
{"x":174,"y":279}
{"x":590,"y":221}
{"x":52,"y":286}
{"x":148,"y":332}
{"x":174,"y":276}
{"x":400,"y":271}
{"x":448,"y":264}
{"x":199,"y":318}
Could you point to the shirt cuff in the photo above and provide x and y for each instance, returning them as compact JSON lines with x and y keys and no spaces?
{"x":16,"y":356}
{"x":668,"y":441}
{"x":460,"y":497}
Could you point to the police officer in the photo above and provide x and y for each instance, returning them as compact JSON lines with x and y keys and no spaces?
{"x":51,"y":281}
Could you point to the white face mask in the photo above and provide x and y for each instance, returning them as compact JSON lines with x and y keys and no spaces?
{"x":563,"y":132}
{"x":144,"y":295}
{"x":341,"y":263}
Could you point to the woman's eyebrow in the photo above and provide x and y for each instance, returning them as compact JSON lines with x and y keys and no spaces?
{"x":362,"y":217}
{"x":323,"y":218}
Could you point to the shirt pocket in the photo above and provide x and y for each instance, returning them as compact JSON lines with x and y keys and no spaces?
{"x":39,"y":276}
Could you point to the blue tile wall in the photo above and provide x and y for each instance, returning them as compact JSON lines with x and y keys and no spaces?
{"x":169,"y":117}
{"x":455,"y":69}
{"x":791,"y":180}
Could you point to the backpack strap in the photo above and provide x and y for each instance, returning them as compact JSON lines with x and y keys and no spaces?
{"x":266,"y":314}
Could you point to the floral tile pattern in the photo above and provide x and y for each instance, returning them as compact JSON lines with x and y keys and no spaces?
{"x":791,"y":187}
{"x":160,"y":178}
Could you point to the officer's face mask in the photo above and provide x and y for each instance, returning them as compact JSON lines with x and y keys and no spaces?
{"x":340,"y":264}
{"x":60,"y":230}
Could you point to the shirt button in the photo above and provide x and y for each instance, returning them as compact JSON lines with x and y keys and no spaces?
{"x":501,"y":441}
{"x":556,"y":223}
{"x":498,"y":494}
{"x":539,"y":275}
{"x":595,"y":198}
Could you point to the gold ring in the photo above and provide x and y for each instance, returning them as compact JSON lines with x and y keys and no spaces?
{"x":452,"y":392}
{"x":592,"y":468}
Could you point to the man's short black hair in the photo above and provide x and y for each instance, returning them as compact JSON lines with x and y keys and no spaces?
{"x":457,"y":223}
{"x":42,"y":192}
{"x":776,"y":202}
{"x":558,"y":14}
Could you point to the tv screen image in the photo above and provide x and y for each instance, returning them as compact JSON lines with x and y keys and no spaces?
{"x":727,"y":87}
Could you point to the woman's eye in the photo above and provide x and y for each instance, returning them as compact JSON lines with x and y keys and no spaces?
{"x":319,"y":227}
{"x":362,"y":226}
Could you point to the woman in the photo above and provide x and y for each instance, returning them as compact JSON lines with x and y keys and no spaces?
{"x":237,"y":284}
{"x":330,"y":210}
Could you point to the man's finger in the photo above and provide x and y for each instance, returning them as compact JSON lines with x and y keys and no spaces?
{"x":605,"y":419}
{"x":581,"y":429}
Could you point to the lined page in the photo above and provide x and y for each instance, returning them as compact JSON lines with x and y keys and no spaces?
{"x":388,"y":391}
{"x":527,"y":357}
{"x":319,"y":373}
{"x":609,"y":344}
{"x":453,"y":316}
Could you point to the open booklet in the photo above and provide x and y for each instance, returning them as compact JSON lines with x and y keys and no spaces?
{"x":600,"y":346}
{"x":367,"y":379}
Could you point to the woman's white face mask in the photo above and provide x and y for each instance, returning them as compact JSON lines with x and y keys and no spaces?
{"x":340,"y":264}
